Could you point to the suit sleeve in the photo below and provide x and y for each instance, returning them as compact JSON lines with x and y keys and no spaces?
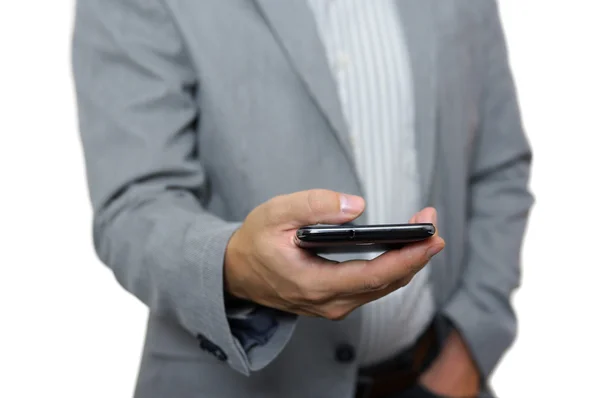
{"x":498,"y":210}
{"x":136,"y":91}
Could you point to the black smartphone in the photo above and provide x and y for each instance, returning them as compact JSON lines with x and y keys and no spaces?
{"x":361,"y":238}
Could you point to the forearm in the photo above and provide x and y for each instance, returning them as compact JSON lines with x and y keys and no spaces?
{"x":136,"y":88}
{"x":150,"y":244}
{"x":167,"y":251}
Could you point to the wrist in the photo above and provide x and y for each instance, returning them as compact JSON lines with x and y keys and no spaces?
{"x":232,"y":268}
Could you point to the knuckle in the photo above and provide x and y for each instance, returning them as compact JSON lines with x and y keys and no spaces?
{"x":336,"y":313}
{"x":316,"y":297}
{"x":415,"y":264}
{"x":374,"y":283}
{"x":416,"y":267}
{"x":309,"y":294}
{"x":405,"y":281}
{"x":319,"y":201}
{"x":303,"y":292}
{"x":274,"y":209}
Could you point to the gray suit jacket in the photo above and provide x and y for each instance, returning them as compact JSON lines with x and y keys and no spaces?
{"x":194,"y":112}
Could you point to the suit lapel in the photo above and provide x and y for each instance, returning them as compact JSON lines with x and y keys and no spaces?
{"x":293,"y":25}
{"x":418,"y":22}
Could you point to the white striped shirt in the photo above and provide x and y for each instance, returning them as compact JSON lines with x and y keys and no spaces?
{"x":369,"y":61}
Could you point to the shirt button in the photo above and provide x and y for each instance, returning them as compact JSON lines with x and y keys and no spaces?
{"x":342,"y":61}
{"x":353,"y":138}
{"x":345,"y":353}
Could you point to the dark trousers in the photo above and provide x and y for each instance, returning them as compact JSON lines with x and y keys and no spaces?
{"x":398,"y":377}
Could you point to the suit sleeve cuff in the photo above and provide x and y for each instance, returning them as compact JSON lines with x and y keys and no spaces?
{"x":205,"y":249}
{"x":252,"y":325}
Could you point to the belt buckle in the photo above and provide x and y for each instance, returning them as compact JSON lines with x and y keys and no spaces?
{"x":364,"y":385}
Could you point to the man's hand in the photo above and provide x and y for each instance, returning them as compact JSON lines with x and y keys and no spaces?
{"x":454,"y":373}
{"x":264,"y":265}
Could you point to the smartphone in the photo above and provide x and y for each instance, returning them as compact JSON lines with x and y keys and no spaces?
{"x":361,"y":238}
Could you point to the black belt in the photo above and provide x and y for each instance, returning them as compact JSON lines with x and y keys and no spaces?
{"x":400,"y":373}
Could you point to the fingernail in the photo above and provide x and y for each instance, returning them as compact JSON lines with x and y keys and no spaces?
{"x":351,"y":204}
{"x":433,"y":250}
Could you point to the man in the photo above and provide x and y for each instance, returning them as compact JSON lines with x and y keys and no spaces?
{"x":214,"y":129}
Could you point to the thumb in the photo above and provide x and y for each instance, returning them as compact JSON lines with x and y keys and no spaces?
{"x":317,"y":206}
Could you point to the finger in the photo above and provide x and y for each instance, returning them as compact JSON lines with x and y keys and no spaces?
{"x":364,"y":298}
{"x":341,"y":306}
{"x":413,"y":219}
{"x":317,"y":206}
{"x":426,"y":216}
{"x":333,"y":279}
{"x":400,"y":264}
{"x":367,"y":276}
{"x":304,"y":310}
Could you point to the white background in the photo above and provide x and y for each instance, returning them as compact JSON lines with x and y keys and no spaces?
{"x":66,"y":328}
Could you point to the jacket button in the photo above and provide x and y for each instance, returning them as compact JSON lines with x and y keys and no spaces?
{"x":212,"y":348}
{"x":345,"y":353}
{"x":220,"y":354}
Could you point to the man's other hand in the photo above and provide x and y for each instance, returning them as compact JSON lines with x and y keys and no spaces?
{"x":454,"y":373}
